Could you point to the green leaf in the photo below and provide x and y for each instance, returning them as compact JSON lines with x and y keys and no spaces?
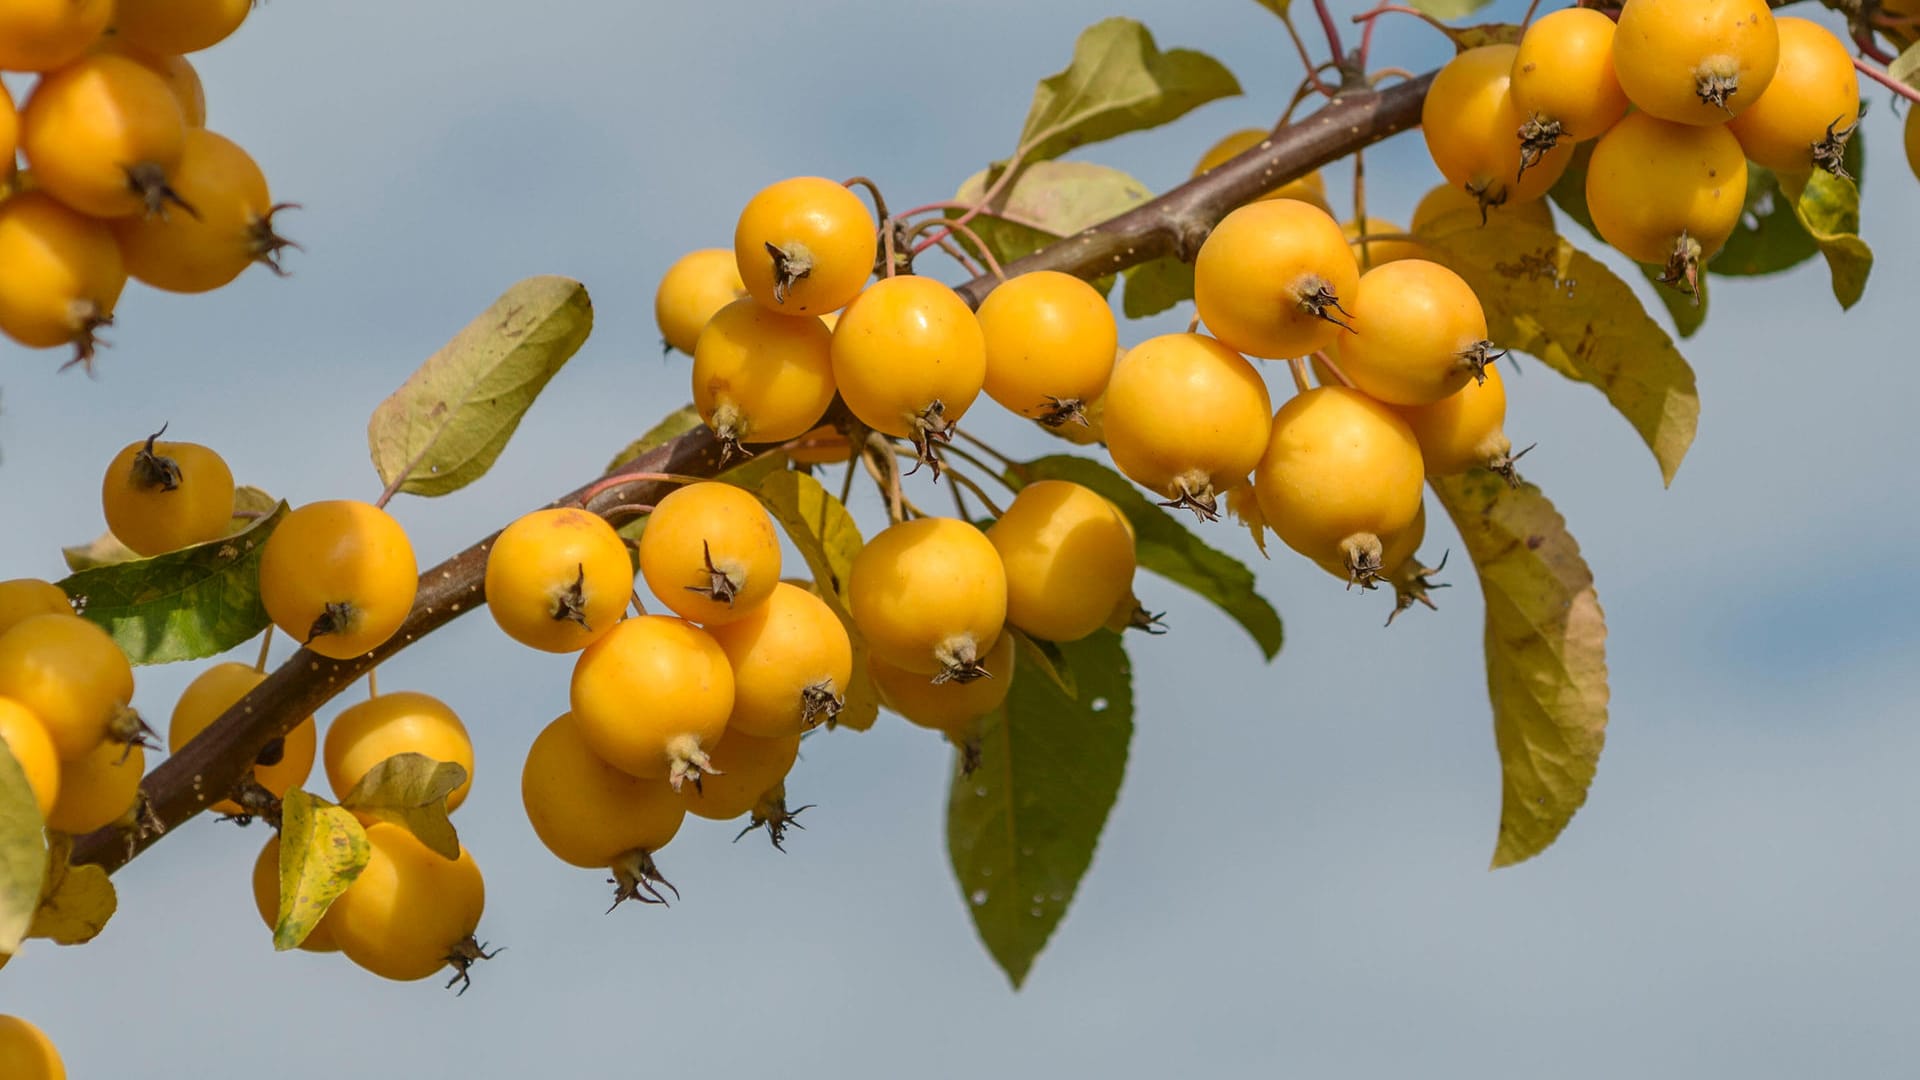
{"x":23,"y":853}
{"x":410,"y":790}
{"x":1022,"y":828}
{"x":1048,"y":200}
{"x":1546,"y":655}
{"x":447,"y":423}
{"x":322,"y":849}
{"x":1828,"y":207}
{"x":1119,"y":81}
{"x":1570,"y":192}
{"x":1046,"y":656}
{"x":1449,"y":9}
{"x":1170,"y":549}
{"x":672,"y":426}
{"x":76,"y":901}
{"x":1769,"y":238}
{"x":1155,"y":286}
{"x":828,"y":538}
{"x":1545,"y":298}
{"x":184,"y":605}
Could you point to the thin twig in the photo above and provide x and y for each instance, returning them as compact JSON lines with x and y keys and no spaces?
{"x":1332,"y":31}
{"x":960,"y":257}
{"x":1306,"y":58}
{"x":266,"y":642}
{"x":993,"y":192}
{"x":1879,"y":75}
{"x":1299,"y":369}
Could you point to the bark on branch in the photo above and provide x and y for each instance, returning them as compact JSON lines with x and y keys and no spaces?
{"x":207,"y":768}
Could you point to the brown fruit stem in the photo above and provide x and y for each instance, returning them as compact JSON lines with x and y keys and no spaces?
{"x":1175,"y":222}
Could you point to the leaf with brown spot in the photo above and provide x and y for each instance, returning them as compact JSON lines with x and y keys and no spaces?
{"x":446,"y":425}
{"x":1548,"y":299}
{"x":323,"y":848}
{"x":1546,"y":655}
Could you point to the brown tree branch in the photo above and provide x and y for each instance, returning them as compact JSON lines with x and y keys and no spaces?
{"x":207,"y":768}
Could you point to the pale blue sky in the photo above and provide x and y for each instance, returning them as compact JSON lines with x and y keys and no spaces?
{"x":1294,"y":879}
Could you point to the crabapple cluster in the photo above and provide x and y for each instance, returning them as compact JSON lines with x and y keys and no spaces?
{"x":123,"y":178}
{"x":337,"y":576}
{"x":931,"y":598}
{"x":1679,"y":94}
{"x":699,"y":711}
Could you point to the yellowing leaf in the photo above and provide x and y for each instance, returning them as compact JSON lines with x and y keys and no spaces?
{"x":1021,"y":829}
{"x":1545,"y":298}
{"x":23,"y":853}
{"x":410,"y":790}
{"x":445,"y":426}
{"x":322,"y":849}
{"x":1828,"y":207}
{"x":1449,"y":9}
{"x":673,"y":425}
{"x":104,"y":550}
{"x":828,"y":538}
{"x":1546,"y":655}
{"x":1119,"y":81}
{"x":76,"y":901}
{"x":250,"y":504}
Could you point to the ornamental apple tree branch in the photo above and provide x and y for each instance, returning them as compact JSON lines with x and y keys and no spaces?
{"x":209,"y":767}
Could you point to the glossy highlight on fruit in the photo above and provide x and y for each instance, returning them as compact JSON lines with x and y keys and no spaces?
{"x":1695,"y":61}
{"x":163,"y":496}
{"x":930,"y":596}
{"x":792,"y":661}
{"x":339,"y":577}
{"x":1420,"y":334}
{"x":32,"y":748}
{"x":411,"y":911}
{"x":1472,"y":123}
{"x":698,"y":284}
{"x":805,"y":246}
{"x":909,"y":358}
{"x":1272,"y":278}
{"x":1342,"y":474}
{"x":1186,"y":417}
{"x":64,"y":274}
{"x":1804,"y":118}
{"x":1665,"y":193}
{"x":557,"y":579}
{"x":761,"y":377}
{"x":70,"y":674}
{"x":104,"y":135}
{"x":710,"y":552}
{"x":1050,"y":342}
{"x":1069,"y":558}
{"x":587,"y":812}
{"x":651,"y":696}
